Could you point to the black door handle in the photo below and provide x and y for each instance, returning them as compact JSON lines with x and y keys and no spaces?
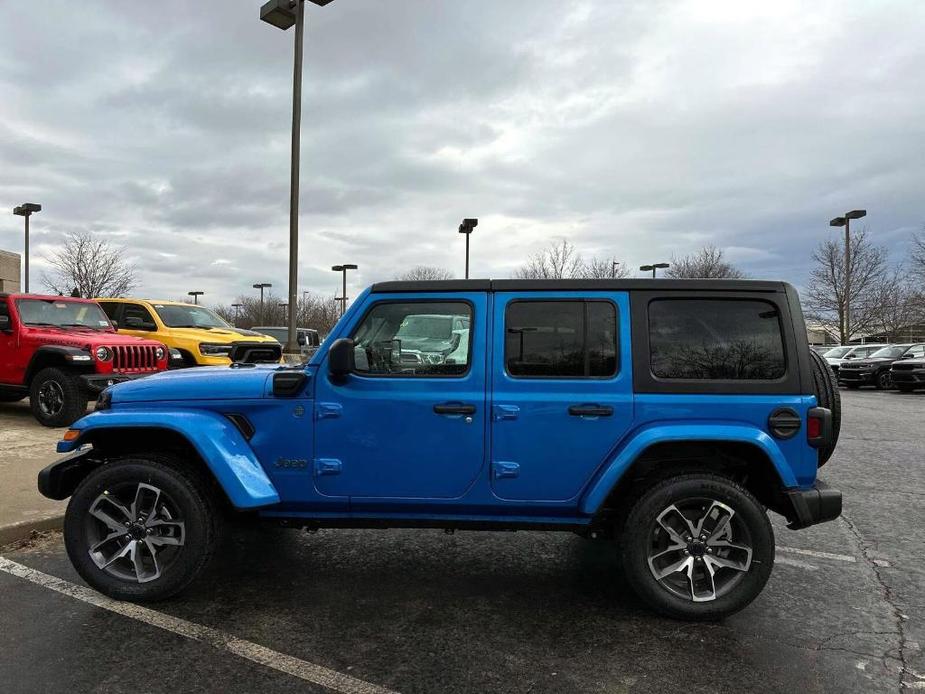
{"x":590,"y":410}
{"x":454,"y":408}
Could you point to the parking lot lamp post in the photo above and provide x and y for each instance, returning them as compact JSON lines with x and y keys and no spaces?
{"x":283,"y":14}
{"x":26,"y":210}
{"x":654,"y":267}
{"x":343,"y":296}
{"x":846,"y":304}
{"x":466,"y":228}
{"x":236,"y":307}
{"x":613,"y":268}
{"x":261,"y":286}
{"x":195,"y":296}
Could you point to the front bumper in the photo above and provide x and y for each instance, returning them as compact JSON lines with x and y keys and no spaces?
{"x":811,"y":506}
{"x":857,"y":377}
{"x":97,"y":383}
{"x":910,"y":376}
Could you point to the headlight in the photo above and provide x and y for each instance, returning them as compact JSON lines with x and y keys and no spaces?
{"x":103,"y":353}
{"x":214,"y":350}
{"x":159,"y":353}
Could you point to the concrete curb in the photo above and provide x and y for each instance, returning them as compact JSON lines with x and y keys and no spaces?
{"x":21,"y":531}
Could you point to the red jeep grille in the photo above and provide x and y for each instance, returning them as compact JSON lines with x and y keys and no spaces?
{"x":134,"y":358}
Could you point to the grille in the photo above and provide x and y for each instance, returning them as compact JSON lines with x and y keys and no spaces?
{"x":134,"y":358}
{"x":907,"y":367}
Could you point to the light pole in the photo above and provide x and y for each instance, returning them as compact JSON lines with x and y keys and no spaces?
{"x":283,"y":14}
{"x":261,"y":286}
{"x":654,"y":267}
{"x":195,"y":296}
{"x":343,"y":297}
{"x":846,"y":222}
{"x":613,"y":268}
{"x":236,"y":308}
{"x":26,"y":210}
{"x":466,"y":228}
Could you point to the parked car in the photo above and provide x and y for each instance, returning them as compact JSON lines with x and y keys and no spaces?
{"x":202,"y":337}
{"x":908,"y":374}
{"x":59,"y":351}
{"x":668,"y":415}
{"x":875,"y":370}
{"x":309,"y":340}
{"x":840,"y":355}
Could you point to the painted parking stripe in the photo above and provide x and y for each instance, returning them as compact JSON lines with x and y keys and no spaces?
{"x":795,"y":562}
{"x":818,"y":555}
{"x":316,"y":674}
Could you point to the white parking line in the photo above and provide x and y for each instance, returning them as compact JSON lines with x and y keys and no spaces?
{"x":818,"y":555}
{"x":316,"y":674}
{"x":795,"y":562}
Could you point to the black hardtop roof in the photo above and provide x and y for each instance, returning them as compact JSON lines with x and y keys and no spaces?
{"x":579,"y":285}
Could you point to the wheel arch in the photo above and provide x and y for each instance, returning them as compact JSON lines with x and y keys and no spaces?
{"x":50,"y":355}
{"x":205,"y":439}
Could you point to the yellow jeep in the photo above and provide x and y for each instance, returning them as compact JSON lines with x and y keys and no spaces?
{"x":201,"y":336}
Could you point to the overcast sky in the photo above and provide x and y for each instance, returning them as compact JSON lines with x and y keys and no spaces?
{"x":640,"y":130}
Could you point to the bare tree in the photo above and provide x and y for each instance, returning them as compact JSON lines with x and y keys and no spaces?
{"x":604,"y":268}
{"x":426,"y":272}
{"x":917,"y":257}
{"x":707,"y":263}
{"x":557,"y":261}
{"x":825,"y":296}
{"x":91,"y":266}
{"x":898,"y":304}
{"x":314,"y":311}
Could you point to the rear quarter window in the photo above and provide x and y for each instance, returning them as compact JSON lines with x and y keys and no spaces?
{"x":715,"y":339}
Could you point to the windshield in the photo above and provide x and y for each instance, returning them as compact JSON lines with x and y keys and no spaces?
{"x":889,"y":352}
{"x":837,"y":352}
{"x":62,"y":314}
{"x":434,"y":327}
{"x":183,"y":316}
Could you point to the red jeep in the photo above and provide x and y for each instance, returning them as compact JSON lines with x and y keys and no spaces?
{"x":59,"y":350}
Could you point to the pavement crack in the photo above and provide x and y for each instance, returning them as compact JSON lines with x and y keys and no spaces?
{"x":889,"y":597}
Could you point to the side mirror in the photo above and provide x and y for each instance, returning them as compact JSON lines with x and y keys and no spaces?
{"x":301,"y":340}
{"x":4,"y":323}
{"x":115,"y":324}
{"x":341,"y":362}
{"x":907,"y":355}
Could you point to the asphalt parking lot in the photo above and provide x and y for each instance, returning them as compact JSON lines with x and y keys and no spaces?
{"x":422,"y":611}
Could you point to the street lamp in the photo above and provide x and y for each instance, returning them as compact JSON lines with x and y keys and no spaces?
{"x":236,"y":308}
{"x":261,"y":286}
{"x":654,"y":267}
{"x":846,"y":222}
{"x":343,"y":297}
{"x":466,"y":228}
{"x":26,"y":210}
{"x":613,"y":268}
{"x":195,"y":296}
{"x":283,"y":14}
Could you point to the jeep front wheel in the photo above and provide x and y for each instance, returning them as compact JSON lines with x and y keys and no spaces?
{"x":57,"y":398}
{"x":698,"y":547}
{"x":141,"y":529}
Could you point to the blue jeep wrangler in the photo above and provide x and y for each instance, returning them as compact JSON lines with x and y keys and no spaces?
{"x":665,"y":415}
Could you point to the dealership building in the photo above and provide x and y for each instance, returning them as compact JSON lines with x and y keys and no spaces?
{"x":10,"y":264}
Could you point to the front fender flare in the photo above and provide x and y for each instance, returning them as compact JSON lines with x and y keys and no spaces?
{"x":219,"y":443}
{"x":630,"y":451}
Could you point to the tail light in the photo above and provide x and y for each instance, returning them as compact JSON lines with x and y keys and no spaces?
{"x":818,"y":426}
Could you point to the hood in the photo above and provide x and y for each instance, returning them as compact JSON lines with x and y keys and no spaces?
{"x":222,"y":334}
{"x":82,"y":337}
{"x":861,"y":363}
{"x":200,"y":383}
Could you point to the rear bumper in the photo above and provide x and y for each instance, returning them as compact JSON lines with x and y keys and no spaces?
{"x":811,"y":506}
{"x":96,"y":383}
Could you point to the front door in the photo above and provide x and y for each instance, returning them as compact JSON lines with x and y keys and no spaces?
{"x":562,"y":390}
{"x":410,"y":422}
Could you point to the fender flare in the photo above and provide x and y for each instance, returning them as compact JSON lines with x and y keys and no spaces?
{"x":62,"y":352}
{"x":637,"y":445}
{"x":217,"y":440}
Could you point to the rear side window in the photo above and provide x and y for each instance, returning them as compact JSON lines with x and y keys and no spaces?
{"x":110,"y":308}
{"x":715,"y":339}
{"x":561,"y":339}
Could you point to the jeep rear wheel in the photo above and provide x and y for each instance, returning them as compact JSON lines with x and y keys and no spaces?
{"x":57,"y":398}
{"x":698,"y":547}
{"x":141,"y":529}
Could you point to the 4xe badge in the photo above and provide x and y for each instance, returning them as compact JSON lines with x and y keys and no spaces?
{"x":291,"y":463}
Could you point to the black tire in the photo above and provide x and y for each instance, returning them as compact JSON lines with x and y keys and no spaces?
{"x":884,"y":380}
{"x":904,"y":388}
{"x":828,"y":396}
{"x":57,"y":397}
{"x":184,"y":497}
{"x":642,"y":530}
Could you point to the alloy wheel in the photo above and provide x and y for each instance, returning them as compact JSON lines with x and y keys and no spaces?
{"x":51,"y":398}
{"x":885,"y":380}
{"x":134,"y":532}
{"x":699,"y":549}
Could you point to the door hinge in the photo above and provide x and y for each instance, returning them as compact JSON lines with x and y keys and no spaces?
{"x":328,"y":410}
{"x":327,"y":466}
{"x":502,"y":412}
{"x":506,"y":469}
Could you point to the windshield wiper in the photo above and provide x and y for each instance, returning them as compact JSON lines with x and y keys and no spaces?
{"x":203,"y":327}
{"x":77,"y":325}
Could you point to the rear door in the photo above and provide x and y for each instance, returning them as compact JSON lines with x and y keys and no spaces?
{"x":562,"y":390}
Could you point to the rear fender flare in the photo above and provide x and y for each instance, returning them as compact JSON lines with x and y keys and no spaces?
{"x":629,"y":452}
{"x":224,"y":450}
